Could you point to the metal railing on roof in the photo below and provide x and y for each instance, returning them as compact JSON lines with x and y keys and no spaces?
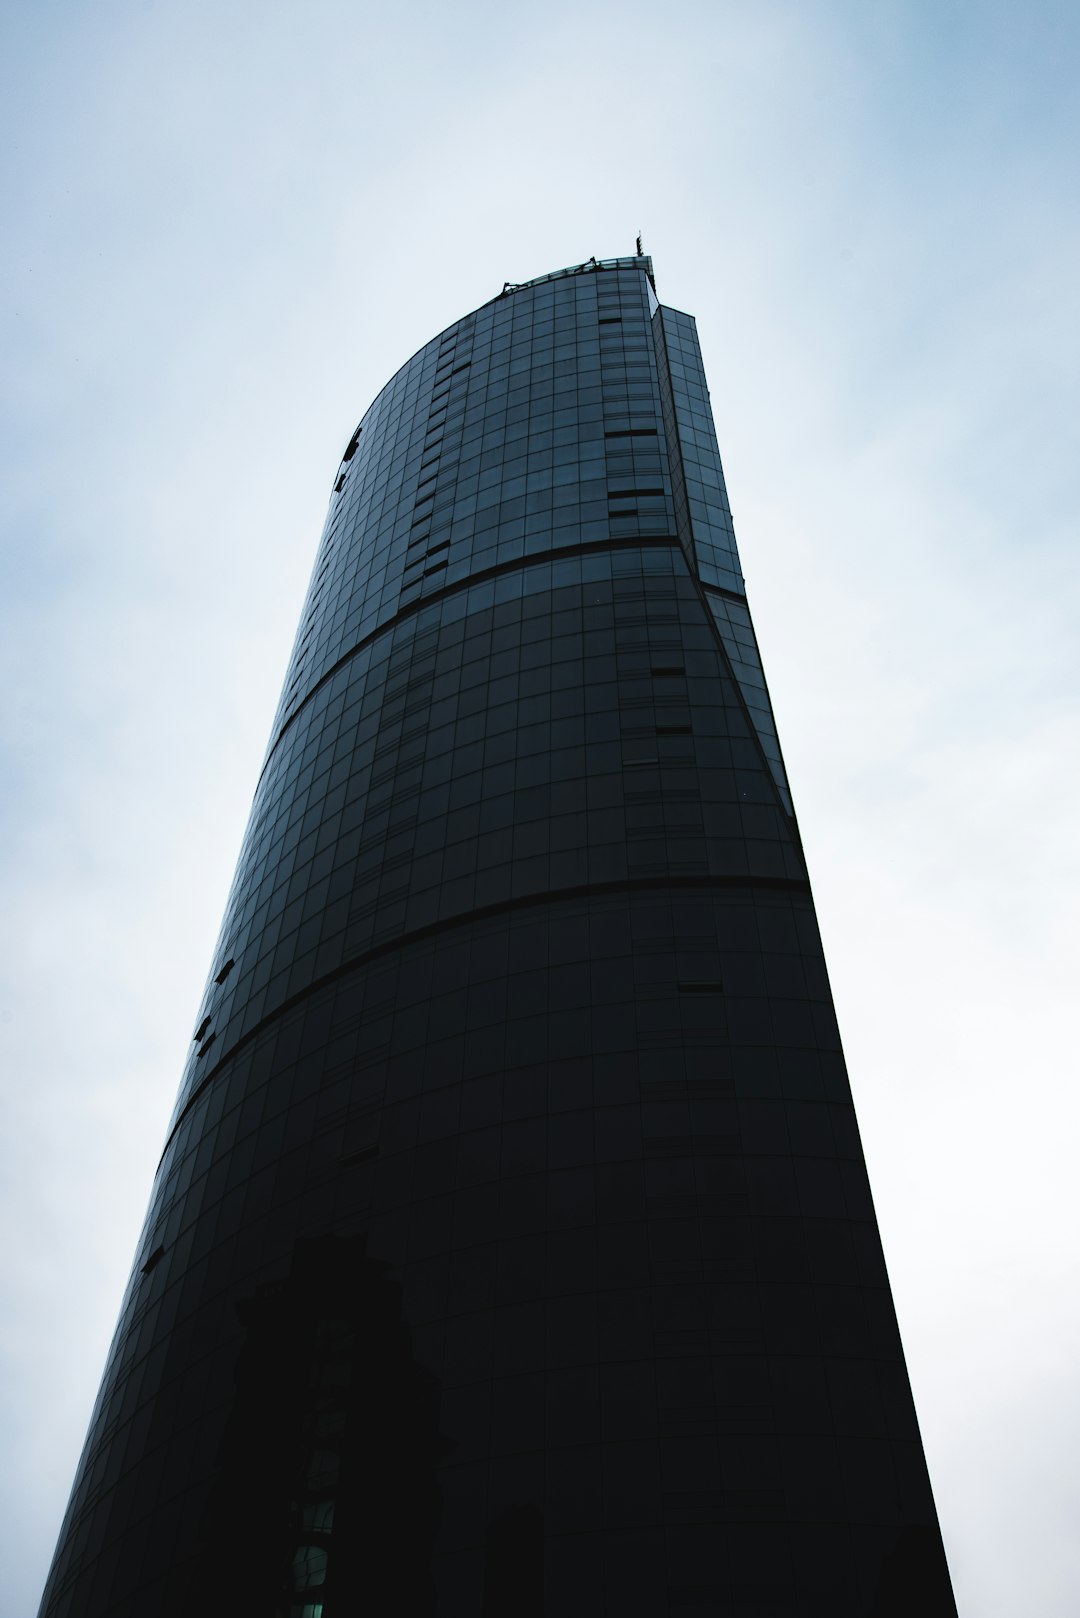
{"x":637,"y":261}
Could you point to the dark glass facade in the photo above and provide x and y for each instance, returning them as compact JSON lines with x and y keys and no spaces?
{"x":512,"y":1252}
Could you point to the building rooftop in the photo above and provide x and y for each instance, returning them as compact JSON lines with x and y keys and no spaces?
{"x":640,"y":261}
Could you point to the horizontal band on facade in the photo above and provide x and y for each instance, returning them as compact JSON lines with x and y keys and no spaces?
{"x":497,"y":570}
{"x":796,"y":886}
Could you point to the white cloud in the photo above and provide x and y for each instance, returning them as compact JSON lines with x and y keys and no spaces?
{"x":228,"y":229}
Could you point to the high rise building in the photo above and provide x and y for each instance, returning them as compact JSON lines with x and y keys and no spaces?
{"x":512,"y":1252}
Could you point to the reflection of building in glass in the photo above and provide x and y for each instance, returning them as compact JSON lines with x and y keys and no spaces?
{"x":511,"y":1252}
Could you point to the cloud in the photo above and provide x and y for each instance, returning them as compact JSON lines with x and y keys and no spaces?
{"x":227,"y":230}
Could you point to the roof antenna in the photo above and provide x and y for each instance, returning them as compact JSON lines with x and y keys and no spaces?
{"x":640,"y":249}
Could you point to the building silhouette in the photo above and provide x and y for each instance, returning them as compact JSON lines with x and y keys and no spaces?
{"x":512,"y":1252}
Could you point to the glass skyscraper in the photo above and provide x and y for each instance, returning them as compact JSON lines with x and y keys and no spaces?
{"x":511,"y":1252}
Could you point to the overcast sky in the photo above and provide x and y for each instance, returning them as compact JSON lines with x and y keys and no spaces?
{"x":226,"y":225}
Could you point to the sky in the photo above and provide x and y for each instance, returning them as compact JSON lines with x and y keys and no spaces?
{"x":226,"y":226}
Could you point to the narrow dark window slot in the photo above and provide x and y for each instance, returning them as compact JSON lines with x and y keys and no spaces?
{"x":340,"y":484}
{"x":361,"y":1155}
{"x":205,"y":1046}
{"x":225,"y":970}
{"x":353,"y":445}
{"x":155,"y":1258}
{"x":673,"y":730}
{"x":201,"y":1030}
{"x":660,"y":669}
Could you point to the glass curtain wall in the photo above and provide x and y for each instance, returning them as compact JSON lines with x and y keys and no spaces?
{"x":512,"y":1252}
